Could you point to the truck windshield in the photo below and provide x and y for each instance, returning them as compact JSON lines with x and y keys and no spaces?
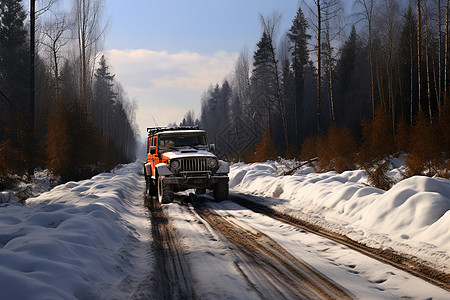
{"x":175,"y":140}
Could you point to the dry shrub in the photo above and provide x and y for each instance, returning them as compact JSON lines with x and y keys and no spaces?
{"x":58,"y":141}
{"x":8,"y":154}
{"x":343,"y":148}
{"x":377,"y":175}
{"x":250,"y":155}
{"x":309,"y":148}
{"x":264,"y":150}
{"x":426,"y":156}
{"x":335,"y":151}
{"x":378,"y":139}
{"x":324,"y":162}
{"x":377,"y":146}
{"x":445,"y":170}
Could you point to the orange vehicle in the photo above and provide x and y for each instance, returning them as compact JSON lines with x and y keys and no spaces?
{"x":180,"y":158}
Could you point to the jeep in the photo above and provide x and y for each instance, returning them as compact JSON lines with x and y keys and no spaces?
{"x":178,"y":159}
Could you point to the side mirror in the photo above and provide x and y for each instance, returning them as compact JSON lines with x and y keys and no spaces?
{"x":152,"y":149}
{"x":212,"y":147}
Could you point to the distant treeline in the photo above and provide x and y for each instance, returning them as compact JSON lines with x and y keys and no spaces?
{"x":80,"y":121}
{"x":317,"y":87}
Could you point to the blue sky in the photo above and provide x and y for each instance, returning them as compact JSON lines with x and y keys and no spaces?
{"x":201,"y":26}
{"x":167,"y":53}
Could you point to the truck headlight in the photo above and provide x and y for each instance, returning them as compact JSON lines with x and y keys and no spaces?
{"x":175,"y":164}
{"x":212,"y":163}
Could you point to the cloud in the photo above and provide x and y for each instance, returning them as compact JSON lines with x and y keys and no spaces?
{"x":141,"y":68}
{"x":167,"y":84}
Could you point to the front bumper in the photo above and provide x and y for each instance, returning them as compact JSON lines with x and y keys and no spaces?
{"x":182,"y":183}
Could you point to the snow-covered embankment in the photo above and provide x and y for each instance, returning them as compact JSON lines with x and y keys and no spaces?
{"x":413,"y":217}
{"x":80,"y":240}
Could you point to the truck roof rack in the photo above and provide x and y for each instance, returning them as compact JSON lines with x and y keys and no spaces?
{"x":153,"y":130}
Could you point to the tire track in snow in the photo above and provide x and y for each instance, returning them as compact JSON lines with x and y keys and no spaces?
{"x":172,"y":278}
{"x":387,"y":256}
{"x":263,"y":262}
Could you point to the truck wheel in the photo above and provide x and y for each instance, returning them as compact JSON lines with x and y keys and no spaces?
{"x":221,"y":191}
{"x":147,"y":183}
{"x":164,"y":193}
{"x":152,"y":187}
{"x":200,"y":191}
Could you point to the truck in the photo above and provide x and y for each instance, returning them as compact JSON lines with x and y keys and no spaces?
{"x":180,"y":158}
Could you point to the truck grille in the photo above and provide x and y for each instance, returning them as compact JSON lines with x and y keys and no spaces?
{"x":194,"y":165}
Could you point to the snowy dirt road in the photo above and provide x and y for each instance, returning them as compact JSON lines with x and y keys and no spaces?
{"x":224,"y":250}
{"x":95,"y":239}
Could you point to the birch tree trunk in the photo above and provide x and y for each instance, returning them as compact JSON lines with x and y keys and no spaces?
{"x":330,"y":75}
{"x":89,"y":33}
{"x":419,"y":38}
{"x":446,"y":49}
{"x":439,"y":94}
{"x":427,"y":62}
{"x":411,"y":112}
{"x":367,"y":14}
{"x":319,"y":63}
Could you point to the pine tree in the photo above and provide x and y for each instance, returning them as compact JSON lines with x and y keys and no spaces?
{"x":263,"y":81}
{"x":223,"y":108}
{"x":262,"y":77}
{"x":299,"y":38}
{"x":14,"y":78}
{"x":352,"y":83}
{"x":13,"y":53}
{"x":346,"y":62}
{"x":104,"y":97}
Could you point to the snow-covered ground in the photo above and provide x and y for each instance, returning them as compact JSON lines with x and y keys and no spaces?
{"x":85,"y":240}
{"x":413,"y":217}
{"x":91,"y":239}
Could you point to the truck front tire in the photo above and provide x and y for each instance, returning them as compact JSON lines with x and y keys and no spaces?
{"x":221,"y":191}
{"x":165,"y":194}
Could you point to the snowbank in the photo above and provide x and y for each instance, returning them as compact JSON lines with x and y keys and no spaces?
{"x":412,"y":217}
{"x":76,"y":241}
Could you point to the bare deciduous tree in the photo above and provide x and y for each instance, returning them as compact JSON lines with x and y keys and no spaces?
{"x":367,"y":14}
{"x":419,"y":45}
{"x":44,"y":6}
{"x":89,"y":33}
{"x":54,"y":40}
{"x":242,"y":81}
{"x":332,"y":12}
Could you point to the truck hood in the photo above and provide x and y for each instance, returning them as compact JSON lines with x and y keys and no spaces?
{"x":187,"y":152}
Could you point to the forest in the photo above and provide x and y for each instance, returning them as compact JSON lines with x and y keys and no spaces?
{"x":353,"y":94}
{"x":61,"y":108}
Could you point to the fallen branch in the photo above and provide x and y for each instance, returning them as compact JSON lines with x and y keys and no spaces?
{"x":291,"y":171}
